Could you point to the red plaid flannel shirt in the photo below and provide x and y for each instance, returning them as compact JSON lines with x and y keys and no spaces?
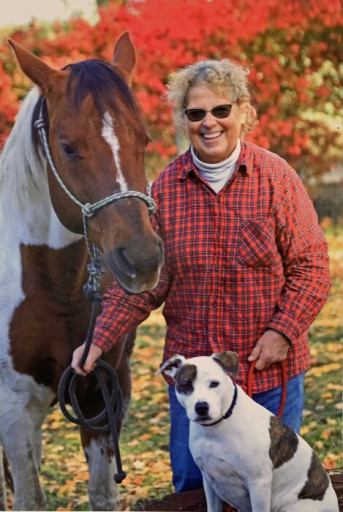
{"x":248,"y":259}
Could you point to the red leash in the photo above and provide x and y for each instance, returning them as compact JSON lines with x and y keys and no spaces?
{"x":284,"y":378}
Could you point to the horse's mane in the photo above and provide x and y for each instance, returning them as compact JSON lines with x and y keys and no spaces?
{"x":21,"y":164}
{"x":99,"y":79}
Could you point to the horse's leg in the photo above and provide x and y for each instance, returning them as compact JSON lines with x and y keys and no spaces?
{"x":3,"y":496}
{"x":102,"y":490}
{"x":20,"y":444}
{"x":21,"y":418}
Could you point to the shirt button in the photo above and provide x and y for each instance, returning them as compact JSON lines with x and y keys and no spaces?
{"x":214,"y":304}
{"x":216,"y":268}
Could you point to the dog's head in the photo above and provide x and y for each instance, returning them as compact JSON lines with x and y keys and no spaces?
{"x":203,"y":386}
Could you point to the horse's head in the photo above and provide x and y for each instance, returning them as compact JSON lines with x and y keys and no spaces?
{"x":97,"y":141}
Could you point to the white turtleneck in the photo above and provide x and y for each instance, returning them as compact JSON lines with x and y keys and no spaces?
{"x":217,"y":175}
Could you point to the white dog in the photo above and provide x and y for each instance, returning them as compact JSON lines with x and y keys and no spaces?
{"x":247,"y":456}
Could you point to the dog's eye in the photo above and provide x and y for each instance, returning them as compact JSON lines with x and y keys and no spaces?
{"x":214,"y":383}
{"x":185,"y":387}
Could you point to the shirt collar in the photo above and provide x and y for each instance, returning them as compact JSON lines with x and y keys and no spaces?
{"x":243,"y":165}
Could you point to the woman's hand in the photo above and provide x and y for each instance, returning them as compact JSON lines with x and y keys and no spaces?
{"x":94,"y":353}
{"x":271,"y":348}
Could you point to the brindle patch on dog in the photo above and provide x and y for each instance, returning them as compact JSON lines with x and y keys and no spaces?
{"x":173,"y":363}
{"x":283,"y":442}
{"x":317,"y":481}
{"x":184,"y":379}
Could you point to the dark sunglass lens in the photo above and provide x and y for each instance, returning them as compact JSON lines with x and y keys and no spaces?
{"x":221,"y":111}
{"x":198,"y":114}
{"x":195,"y":114}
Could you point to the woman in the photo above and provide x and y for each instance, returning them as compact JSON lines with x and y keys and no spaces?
{"x":246,"y":265}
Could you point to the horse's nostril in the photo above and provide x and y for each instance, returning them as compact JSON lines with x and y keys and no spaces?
{"x":136,"y":263}
{"x":201,"y":408}
{"x":125,"y":263}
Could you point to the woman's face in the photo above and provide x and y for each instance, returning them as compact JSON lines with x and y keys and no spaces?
{"x":213,"y":139}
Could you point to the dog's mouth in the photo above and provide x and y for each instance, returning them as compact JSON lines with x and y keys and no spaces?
{"x":203,"y":419}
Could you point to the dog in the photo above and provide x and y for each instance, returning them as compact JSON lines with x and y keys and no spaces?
{"x":248,"y":457}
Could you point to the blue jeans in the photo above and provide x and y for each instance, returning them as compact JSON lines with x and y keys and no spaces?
{"x":186,"y":474}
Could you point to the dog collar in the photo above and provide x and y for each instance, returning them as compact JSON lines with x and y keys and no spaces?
{"x":228,"y":412}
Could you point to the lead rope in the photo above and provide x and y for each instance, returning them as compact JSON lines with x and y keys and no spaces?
{"x":107,"y":419}
{"x":284,"y":378}
{"x":67,"y":386}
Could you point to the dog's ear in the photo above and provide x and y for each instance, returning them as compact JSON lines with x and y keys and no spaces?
{"x":228,"y":361}
{"x":171,"y":366}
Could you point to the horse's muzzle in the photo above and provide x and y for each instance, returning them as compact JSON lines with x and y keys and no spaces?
{"x":136,"y":265}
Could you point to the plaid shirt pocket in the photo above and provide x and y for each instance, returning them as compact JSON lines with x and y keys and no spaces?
{"x":257,"y":247}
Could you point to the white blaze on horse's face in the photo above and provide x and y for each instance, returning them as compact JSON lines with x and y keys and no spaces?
{"x":112,"y":140}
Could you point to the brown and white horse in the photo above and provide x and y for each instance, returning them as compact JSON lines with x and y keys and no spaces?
{"x":96,"y":139}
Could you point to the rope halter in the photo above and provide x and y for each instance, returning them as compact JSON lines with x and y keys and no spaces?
{"x":88,"y":209}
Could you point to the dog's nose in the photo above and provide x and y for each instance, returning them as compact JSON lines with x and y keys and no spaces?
{"x":201,"y":408}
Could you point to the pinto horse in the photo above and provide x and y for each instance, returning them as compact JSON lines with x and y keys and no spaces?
{"x":96,"y":141}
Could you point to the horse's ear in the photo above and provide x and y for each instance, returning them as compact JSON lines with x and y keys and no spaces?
{"x":124,"y":56}
{"x":40,"y":73}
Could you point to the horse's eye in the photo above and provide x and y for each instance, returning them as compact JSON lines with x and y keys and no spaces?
{"x":214,"y":383}
{"x":69,"y":151}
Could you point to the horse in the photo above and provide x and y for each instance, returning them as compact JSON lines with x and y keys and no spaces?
{"x":81,"y":186}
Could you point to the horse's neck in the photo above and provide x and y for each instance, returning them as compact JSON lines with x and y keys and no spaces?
{"x":60,"y":273}
{"x":24,"y":193}
{"x":32,"y":239}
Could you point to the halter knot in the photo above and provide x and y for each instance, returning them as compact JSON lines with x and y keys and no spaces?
{"x":87,"y":210}
{"x":152,"y":207}
{"x":39,"y":123}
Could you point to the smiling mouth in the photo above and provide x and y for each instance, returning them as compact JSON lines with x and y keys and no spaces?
{"x":209,"y":136}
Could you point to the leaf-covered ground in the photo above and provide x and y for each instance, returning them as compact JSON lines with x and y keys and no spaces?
{"x":322,"y":425}
{"x":144,"y":442}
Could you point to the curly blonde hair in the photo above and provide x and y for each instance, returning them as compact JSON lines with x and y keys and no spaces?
{"x":222,"y":76}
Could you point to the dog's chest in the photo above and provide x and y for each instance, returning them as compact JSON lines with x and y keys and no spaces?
{"x":212,"y":457}
{"x":224,"y":475}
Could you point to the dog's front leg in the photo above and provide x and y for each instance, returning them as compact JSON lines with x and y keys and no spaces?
{"x":261,"y":495}
{"x":214,"y":503}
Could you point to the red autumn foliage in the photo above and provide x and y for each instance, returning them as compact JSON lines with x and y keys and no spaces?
{"x":294,"y":50}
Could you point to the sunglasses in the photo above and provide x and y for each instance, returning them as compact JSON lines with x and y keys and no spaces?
{"x":198,"y":114}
